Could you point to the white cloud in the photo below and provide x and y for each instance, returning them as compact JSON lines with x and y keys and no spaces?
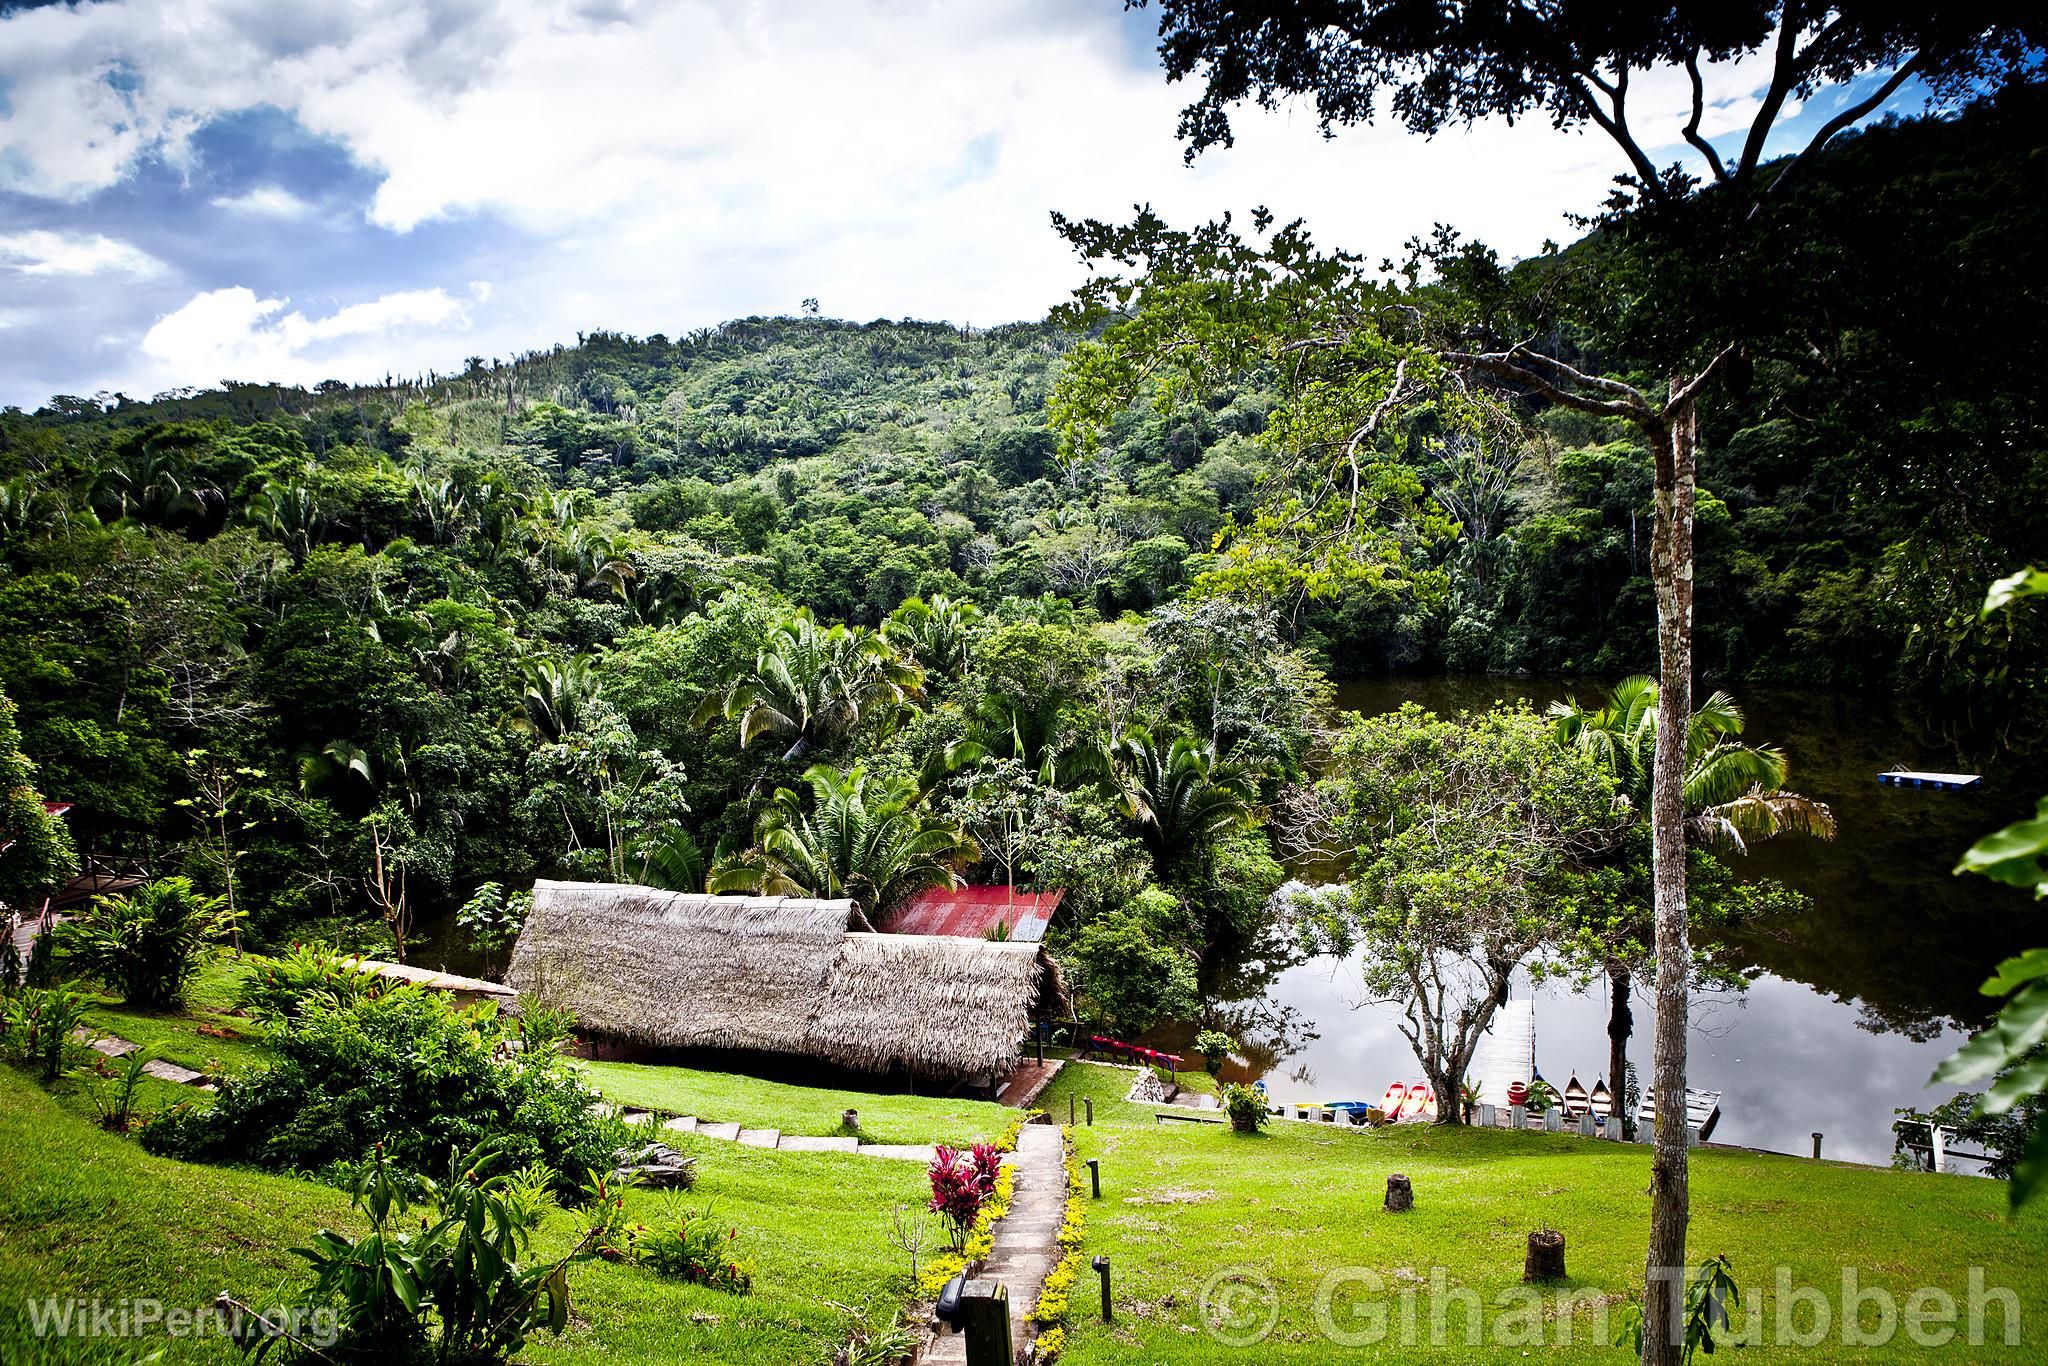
{"x":234,"y":333}
{"x":41,"y":252}
{"x":669,"y":163}
{"x":265,"y":201}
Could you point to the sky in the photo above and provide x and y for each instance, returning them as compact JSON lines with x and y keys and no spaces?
{"x":265,"y":190}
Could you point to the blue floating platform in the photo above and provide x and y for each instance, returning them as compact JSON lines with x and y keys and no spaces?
{"x":1947,"y":782}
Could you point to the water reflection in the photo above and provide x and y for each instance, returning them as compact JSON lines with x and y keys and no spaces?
{"x":1853,"y":1003}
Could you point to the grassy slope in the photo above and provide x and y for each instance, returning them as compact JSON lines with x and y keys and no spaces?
{"x":1181,"y":1202}
{"x":200,"y":1033}
{"x":816,"y":1226}
{"x":719,"y":1097}
{"x":85,"y":1213}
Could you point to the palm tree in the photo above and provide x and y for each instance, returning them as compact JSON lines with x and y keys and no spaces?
{"x":1734,"y":793}
{"x":442,"y":502}
{"x":868,"y":838}
{"x":1734,"y":797}
{"x":1179,"y":794}
{"x":938,"y":633}
{"x":557,"y":694}
{"x":290,"y":511}
{"x":810,"y":684}
{"x":153,"y":485}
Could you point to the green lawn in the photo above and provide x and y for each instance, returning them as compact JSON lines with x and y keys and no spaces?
{"x":1299,"y":1206}
{"x":200,"y":1033}
{"x":723,"y":1098}
{"x":816,"y":1225}
{"x":84,"y":1213}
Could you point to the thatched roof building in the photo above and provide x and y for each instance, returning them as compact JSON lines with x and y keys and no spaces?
{"x":779,"y":975}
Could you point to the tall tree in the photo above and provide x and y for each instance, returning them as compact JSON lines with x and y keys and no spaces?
{"x":866,"y":837}
{"x":1439,"y":65}
{"x":811,"y":684}
{"x":1734,"y":796}
{"x":1469,"y":837}
{"x":35,"y":848}
{"x":1179,"y":794}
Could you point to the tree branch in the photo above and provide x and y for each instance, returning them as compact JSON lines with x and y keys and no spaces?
{"x":1615,"y":125}
{"x":1690,"y":390}
{"x":1846,"y":117}
{"x":1699,"y":108}
{"x":1526,"y":367}
{"x":1784,"y":76}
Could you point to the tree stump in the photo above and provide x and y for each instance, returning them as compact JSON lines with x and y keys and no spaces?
{"x":1400,"y":1195}
{"x":1545,"y":1261}
{"x":849,"y":1119}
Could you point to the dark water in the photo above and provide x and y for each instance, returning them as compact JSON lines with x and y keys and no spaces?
{"x":1855,"y":1001}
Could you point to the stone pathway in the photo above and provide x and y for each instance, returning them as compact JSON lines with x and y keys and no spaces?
{"x":1026,"y":1240}
{"x":774,"y":1138}
{"x":114,"y":1046}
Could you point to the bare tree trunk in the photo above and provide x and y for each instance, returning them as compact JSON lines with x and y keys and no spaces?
{"x":1621,"y":1023}
{"x":1672,"y":571}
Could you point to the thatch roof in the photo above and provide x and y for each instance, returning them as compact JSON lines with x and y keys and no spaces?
{"x":776,"y":974}
{"x":895,"y":999}
{"x":680,"y":970}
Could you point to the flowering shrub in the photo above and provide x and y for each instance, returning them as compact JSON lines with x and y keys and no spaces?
{"x":695,"y":1247}
{"x":980,"y":1241}
{"x":953,"y":1175}
{"x":957,"y":1192}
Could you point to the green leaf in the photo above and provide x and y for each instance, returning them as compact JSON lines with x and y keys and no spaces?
{"x":2018,"y":1030}
{"x":2015,"y":973}
{"x":2032,"y":1170}
{"x":2028,"y":583}
{"x":2015,"y":1086}
{"x":2017,"y":855}
{"x":403,"y":1285}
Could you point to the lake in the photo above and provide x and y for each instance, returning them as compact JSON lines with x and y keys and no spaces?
{"x":1854,"y":1004}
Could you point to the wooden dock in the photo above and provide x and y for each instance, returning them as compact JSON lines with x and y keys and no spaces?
{"x":1946,"y":782}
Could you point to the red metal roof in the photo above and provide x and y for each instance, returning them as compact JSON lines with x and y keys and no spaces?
{"x":970,"y":912}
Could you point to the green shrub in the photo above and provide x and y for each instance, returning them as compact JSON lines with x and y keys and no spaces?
{"x":277,"y":990}
{"x":450,"y":1290}
{"x":691,"y":1245}
{"x":404,"y":1068}
{"x":144,"y":945}
{"x":1246,"y":1108}
{"x":37,"y":1027}
{"x":1131,"y":968}
{"x":1215,"y":1046}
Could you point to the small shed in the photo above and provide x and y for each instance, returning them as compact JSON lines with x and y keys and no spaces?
{"x":976,"y":913}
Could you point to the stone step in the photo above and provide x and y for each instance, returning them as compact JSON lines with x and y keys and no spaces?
{"x":682,"y":1124}
{"x":728,"y":1132}
{"x":901,"y":1152}
{"x":171,"y":1072}
{"x":112,"y":1046}
{"x":760,"y":1138}
{"x":794,"y":1143}
{"x":635,"y":1116}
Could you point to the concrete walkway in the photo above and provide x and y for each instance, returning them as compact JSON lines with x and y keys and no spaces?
{"x":1026,"y":1240}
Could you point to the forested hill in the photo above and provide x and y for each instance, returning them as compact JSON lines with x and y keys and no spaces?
{"x":287,"y":579}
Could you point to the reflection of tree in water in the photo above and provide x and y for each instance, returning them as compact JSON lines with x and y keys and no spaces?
{"x":1238,"y":998}
{"x":1876,"y":1019}
{"x":1888,"y":928}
